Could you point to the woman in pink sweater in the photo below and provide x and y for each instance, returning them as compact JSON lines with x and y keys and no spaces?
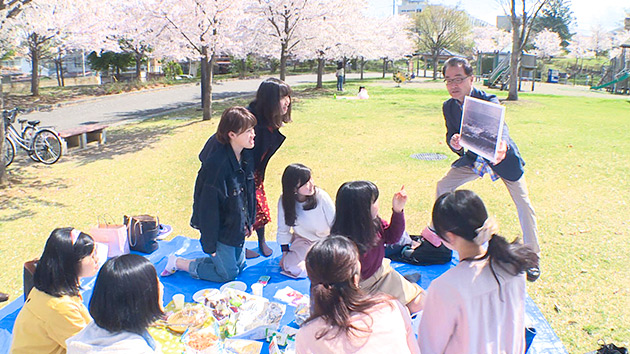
{"x":479,"y":305}
{"x":344,"y":319}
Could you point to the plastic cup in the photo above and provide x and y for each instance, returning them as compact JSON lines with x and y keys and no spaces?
{"x":257,"y":289}
{"x":178,"y":301}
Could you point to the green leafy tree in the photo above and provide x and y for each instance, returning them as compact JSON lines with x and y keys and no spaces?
{"x":106,"y":61}
{"x":556,"y":16}
{"x":440,"y":27}
{"x":172,"y":69}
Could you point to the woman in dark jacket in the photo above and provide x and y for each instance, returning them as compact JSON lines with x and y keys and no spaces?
{"x":272,"y":108}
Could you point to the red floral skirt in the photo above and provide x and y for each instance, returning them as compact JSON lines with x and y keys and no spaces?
{"x":263,"y":217}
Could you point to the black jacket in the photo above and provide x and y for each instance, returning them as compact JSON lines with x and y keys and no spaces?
{"x":224,"y":203}
{"x":267,"y":141}
{"x":511,"y":168}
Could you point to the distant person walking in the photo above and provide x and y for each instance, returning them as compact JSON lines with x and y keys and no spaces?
{"x":458,"y":76}
{"x":340,"y":74}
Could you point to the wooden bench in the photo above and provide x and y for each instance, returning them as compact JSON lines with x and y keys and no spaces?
{"x":81,"y":136}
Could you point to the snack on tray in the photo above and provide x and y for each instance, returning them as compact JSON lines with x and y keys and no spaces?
{"x":242,"y":346}
{"x":203,"y":341}
{"x":190,"y":317}
{"x":200,"y":340}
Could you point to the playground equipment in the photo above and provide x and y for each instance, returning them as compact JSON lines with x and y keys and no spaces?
{"x":497,"y":72}
{"x":616,"y":78}
{"x":400,"y":78}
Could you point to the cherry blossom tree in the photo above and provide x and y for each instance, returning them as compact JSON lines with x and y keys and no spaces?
{"x":579,"y":48}
{"x":44,"y":25}
{"x":287,"y":24}
{"x":547,"y":44}
{"x":490,"y":39}
{"x":601,"y":41}
{"x":617,"y":40}
{"x":393,"y":38}
{"x":132,"y":32}
{"x":334,"y":33}
{"x":203,"y":29}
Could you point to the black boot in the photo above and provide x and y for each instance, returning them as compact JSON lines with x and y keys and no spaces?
{"x":4,"y":297}
{"x":262,"y":245}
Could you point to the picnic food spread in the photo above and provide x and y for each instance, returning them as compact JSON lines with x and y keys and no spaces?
{"x":189,"y":317}
{"x":219,"y":315}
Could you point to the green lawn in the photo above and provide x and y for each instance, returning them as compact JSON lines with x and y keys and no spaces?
{"x":576,"y":151}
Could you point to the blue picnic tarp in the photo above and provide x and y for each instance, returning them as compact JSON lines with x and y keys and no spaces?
{"x":545,"y":341}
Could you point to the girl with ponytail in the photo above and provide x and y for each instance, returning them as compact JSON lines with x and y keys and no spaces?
{"x":344,"y":319}
{"x":479,"y":305}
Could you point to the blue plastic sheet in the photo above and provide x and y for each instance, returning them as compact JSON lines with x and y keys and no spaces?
{"x":544,"y":342}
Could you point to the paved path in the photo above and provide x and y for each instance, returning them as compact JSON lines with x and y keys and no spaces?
{"x":143,"y":104}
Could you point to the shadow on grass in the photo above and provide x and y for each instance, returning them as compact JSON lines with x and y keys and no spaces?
{"x":123,"y":141}
{"x":19,"y":195}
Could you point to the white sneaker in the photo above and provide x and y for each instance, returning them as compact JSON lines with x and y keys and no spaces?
{"x":171,"y":266}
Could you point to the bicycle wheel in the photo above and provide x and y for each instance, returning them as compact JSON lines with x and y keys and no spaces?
{"x":9,"y":152}
{"x":27,"y":134}
{"x":47,"y":146}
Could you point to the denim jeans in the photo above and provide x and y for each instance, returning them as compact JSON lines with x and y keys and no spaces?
{"x":226,"y":263}
{"x":339,"y":83}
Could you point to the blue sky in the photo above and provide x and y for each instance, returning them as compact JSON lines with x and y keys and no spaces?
{"x":588,"y":13}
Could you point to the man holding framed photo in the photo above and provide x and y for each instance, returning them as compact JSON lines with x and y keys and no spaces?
{"x":507,"y":165}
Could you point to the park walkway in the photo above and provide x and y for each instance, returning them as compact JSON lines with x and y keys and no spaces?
{"x":132,"y":106}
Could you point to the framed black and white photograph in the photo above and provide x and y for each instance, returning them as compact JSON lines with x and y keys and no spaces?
{"x":482,"y":127}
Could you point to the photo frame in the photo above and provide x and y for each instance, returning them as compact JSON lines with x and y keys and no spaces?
{"x":482,"y":127}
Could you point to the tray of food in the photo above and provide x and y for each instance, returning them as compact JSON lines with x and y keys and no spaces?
{"x":191,"y":316}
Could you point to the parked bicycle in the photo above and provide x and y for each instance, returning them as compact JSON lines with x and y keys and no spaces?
{"x":41,"y":144}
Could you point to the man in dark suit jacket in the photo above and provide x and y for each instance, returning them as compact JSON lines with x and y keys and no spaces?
{"x":509,"y":165}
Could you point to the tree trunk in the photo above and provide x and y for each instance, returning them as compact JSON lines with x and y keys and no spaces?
{"x":58,"y":73}
{"x":206,"y":83}
{"x":243,"y":68}
{"x":515,"y":59}
{"x":384,"y":66}
{"x":345,"y":63}
{"x":362,"y":65}
{"x":138,"y":57}
{"x":435,"y":65}
{"x":283,"y":61}
{"x":34,"y":71}
{"x":320,"y":72}
{"x":63,"y":79}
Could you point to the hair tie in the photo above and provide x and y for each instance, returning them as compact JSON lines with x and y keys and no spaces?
{"x":485,"y":232}
{"x":74,"y":235}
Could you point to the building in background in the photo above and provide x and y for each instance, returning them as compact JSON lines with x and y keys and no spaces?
{"x":410,"y":7}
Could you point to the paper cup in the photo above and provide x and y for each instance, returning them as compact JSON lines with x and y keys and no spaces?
{"x":257,"y":289}
{"x":178,"y":301}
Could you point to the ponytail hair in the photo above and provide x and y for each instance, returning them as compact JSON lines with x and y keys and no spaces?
{"x":353,"y":214}
{"x":463,"y":213}
{"x":295,"y":176}
{"x":334,"y":270}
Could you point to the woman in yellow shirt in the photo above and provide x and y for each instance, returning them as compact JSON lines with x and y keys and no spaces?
{"x":54,"y":310}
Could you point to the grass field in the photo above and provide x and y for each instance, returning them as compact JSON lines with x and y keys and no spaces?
{"x":576,"y":151}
